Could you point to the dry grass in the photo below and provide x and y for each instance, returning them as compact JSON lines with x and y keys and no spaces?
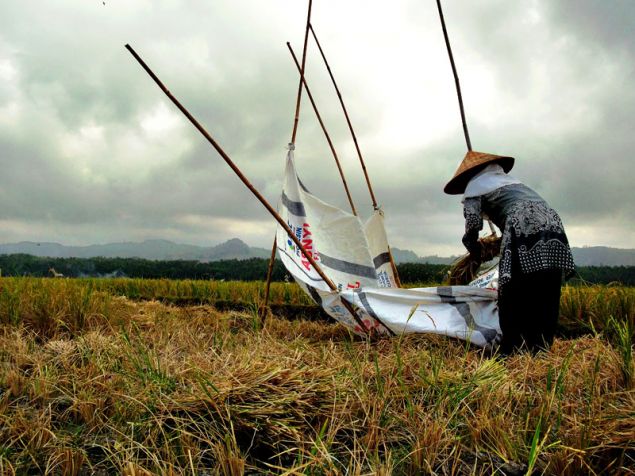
{"x":95,"y":383}
{"x":464,"y":269}
{"x":46,"y":305}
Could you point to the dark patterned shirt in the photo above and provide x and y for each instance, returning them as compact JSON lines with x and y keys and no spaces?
{"x":533,"y":233}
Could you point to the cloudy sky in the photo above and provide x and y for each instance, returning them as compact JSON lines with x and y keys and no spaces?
{"x":91,"y":151}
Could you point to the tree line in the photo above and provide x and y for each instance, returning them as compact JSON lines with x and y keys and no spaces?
{"x":252,"y":269}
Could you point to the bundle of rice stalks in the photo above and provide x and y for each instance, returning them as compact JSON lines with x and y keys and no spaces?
{"x":464,"y":269}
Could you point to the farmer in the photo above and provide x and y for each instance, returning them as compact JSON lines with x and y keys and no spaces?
{"x":534,"y":249}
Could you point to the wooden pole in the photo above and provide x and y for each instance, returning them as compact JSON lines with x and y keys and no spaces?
{"x":298,"y":100}
{"x":456,"y":77}
{"x":299,"y":96}
{"x":393,"y":265}
{"x":348,"y":120}
{"x":272,"y":259}
{"x":326,"y":134}
{"x":233,"y":166}
{"x":247,"y":183}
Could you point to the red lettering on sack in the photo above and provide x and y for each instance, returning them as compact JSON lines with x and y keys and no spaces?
{"x":307,"y":243}
{"x":369,"y":326}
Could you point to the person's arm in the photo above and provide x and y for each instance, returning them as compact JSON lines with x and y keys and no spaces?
{"x":473,"y":225}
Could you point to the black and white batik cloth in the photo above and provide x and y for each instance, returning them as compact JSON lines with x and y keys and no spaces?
{"x":533,"y":234}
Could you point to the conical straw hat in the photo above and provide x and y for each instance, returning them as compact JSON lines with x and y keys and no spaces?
{"x":470,"y":165}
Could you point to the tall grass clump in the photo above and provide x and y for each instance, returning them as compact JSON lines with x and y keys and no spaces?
{"x":199,"y":291}
{"x":591,"y":309}
{"x":47,"y":306}
{"x":621,"y":335}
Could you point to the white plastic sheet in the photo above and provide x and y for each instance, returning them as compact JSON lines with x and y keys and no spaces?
{"x":354,"y":256}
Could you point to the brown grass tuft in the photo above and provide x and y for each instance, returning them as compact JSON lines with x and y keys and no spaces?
{"x":464,"y":269}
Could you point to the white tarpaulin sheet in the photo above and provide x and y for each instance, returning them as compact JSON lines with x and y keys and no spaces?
{"x":355,"y":257}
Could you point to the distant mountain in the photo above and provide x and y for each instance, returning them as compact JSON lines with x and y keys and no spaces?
{"x":603,"y":256}
{"x":149,"y":249}
{"x":587,"y":256}
{"x":407,"y":256}
{"x":404,"y":256}
{"x":237,"y":249}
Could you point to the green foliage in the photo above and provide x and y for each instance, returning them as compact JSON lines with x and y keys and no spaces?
{"x":422,"y":273}
{"x":624,"y":275}
{"x":621,"y":334}
{"x":253,"y":269}
{"x":243,"y":270}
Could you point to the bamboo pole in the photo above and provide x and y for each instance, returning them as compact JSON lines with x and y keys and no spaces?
{"x":272,"y":260}
{"x":393,"y":265}
{"x":298,"y":100}
{"x":456,"y":77}
{"x":299,"y":96}
{"x":326,"y":134}
{"x":247,"y":183}
{"x":233,"y":166}
{"x":348,"y":120}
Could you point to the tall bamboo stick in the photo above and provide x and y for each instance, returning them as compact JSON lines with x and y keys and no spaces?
{"x":456,"y":77}
{"x":326,"y":134}
{"x":272,"y":258}
{"x":246,"y":182}
{"x":299,"y":95}
{"x":393,"y":265}
{"x":232,"y":165}
{"x":348,"y":120}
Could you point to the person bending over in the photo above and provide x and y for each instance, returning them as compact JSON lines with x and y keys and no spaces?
{"x":534,"y":248}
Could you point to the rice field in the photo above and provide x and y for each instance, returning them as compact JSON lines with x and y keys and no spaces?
{"x":584,"y":309}
{"x":165,"y":289}
{"x":111,"y":376}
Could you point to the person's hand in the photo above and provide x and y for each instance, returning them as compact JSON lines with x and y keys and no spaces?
{"x":476,"y":251}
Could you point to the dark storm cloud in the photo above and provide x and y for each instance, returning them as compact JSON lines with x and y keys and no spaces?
{"x":595,"y":22}
{"x":65,"y":84}
{"x":91,"y":148}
